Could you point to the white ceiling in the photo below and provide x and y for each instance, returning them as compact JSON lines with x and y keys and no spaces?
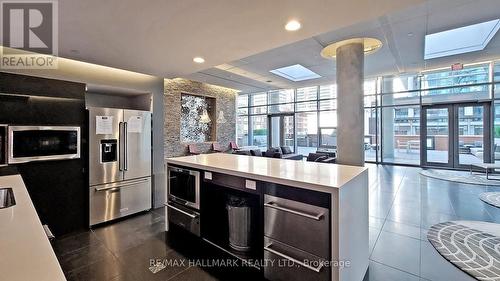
{"x":161,"y":37}
{"x":402,"y":33}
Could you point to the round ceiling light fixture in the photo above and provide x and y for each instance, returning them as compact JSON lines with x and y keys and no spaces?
{"x":371,"y":45}
{"x":198,"y":60}
{"x":293,"y":25}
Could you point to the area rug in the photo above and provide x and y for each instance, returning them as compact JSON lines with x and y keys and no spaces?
{"x":474,"y":251}
{"x":460,"y":177}
{"x":492,"y":198}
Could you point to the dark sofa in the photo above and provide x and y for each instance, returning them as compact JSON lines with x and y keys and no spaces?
{"x":320,"y":157}
{"x":283,"y":152}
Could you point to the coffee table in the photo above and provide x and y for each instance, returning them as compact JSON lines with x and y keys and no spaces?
{"x":486,"y":167}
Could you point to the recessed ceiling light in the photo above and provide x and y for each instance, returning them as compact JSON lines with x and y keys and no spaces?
{"x":198,"y":60}
{"x":293,"y":25}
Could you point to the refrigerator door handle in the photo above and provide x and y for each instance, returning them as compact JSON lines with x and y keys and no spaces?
{"x":125,"y":135}
{"x":117,"y":186}
{"x":120,"y":149}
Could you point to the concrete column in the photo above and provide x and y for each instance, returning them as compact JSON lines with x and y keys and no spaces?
{"x":350,"y":112}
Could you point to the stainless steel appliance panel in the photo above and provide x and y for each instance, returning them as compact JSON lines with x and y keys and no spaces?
{"x":184,"y":217}
{"x":184,"y":186}
{"x":292,"y":264}
{"x":107,"y":172}
{"x":111,"y":201}
{"x":41,"y":143}
{"x":309,"y":225}
{"x":137,"y":126}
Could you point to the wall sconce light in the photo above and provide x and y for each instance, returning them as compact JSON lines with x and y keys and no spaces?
{"x":221,"y":119}
{"x":204,"y":118}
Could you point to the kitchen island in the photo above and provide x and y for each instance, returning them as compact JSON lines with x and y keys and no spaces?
{"x":314,"y":215}
{"x":26,"y":253}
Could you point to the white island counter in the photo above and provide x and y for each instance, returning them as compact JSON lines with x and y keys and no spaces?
{"x":25,"y":251}
{"x":346,"y":190}
{"x":309,"y":175}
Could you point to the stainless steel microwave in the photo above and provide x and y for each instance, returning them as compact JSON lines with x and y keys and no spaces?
{"x":41,"y":143}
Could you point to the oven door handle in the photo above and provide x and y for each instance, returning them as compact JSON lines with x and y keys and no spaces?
{"x":277,"y":207}
{"x":181,"y":211}
{"x":315,"y":269}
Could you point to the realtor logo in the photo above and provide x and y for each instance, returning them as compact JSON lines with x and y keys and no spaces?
{"x":28,"y":34}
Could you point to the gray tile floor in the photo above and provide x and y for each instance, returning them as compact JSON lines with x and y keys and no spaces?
{"x":403,"y":205}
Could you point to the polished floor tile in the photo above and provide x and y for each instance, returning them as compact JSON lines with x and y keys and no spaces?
{"x":434,"y":267}
{"x":194,"y":273}
{"x":84,"y":257}
{"x":406,"y":215}
{"x":373,"y":236}
{"x":375,"y":222}
{"x":107,"y":269}
{"x":398,"y":251}
{"x":380,"y":272}
{"x":402,"y":206}
{"x":402,"y":229}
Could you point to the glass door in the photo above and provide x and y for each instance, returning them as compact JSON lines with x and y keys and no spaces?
{"x":472,"y":141}
{"x":436,"y":131}
{"x":282,"y":130}
{"x":454,"y":135}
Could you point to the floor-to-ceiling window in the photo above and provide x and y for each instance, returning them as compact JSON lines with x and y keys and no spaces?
{"x":242,"y":120}
{"x":313,"y":125}
{"x":455,"y":134}
{"x":496,"y":120}
{"x":306,"y":119}
{"x":392,"y":118}
{"x":327,"y":116}
{"x":400,"y":119}
{"x":371,"y":120}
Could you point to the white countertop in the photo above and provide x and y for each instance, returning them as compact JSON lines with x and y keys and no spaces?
{"x":25,"y":251}
{"x":309,"y":175}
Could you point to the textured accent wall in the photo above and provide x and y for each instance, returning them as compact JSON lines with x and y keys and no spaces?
{"x":225,"y":101}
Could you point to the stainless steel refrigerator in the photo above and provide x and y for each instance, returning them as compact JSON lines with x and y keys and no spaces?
{"x":119,"y":163}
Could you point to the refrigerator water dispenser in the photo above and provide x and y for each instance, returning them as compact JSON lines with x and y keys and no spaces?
{"x":109,"y":151}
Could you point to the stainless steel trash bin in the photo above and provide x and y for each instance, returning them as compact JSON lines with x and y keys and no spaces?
{"x":239,"y":217}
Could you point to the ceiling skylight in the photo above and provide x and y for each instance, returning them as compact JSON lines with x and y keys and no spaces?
{"x":295,"y":73}
{"x":461,"y":40}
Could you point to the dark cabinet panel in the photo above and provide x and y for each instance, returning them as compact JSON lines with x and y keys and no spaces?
{"x":59,"y":193}
{"x":43,"y":87}
{"x":58,"y":189}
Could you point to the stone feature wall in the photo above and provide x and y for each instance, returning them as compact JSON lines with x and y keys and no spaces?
{"x":225,"y":101}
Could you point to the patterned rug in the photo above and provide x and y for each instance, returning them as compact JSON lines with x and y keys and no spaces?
{"x":461,"y":177}
{"x":473,"y":251}
{"x":492,"y":198}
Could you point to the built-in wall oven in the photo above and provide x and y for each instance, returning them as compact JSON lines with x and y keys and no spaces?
{"x":184,"y":198}
{"x":40,"y":143}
